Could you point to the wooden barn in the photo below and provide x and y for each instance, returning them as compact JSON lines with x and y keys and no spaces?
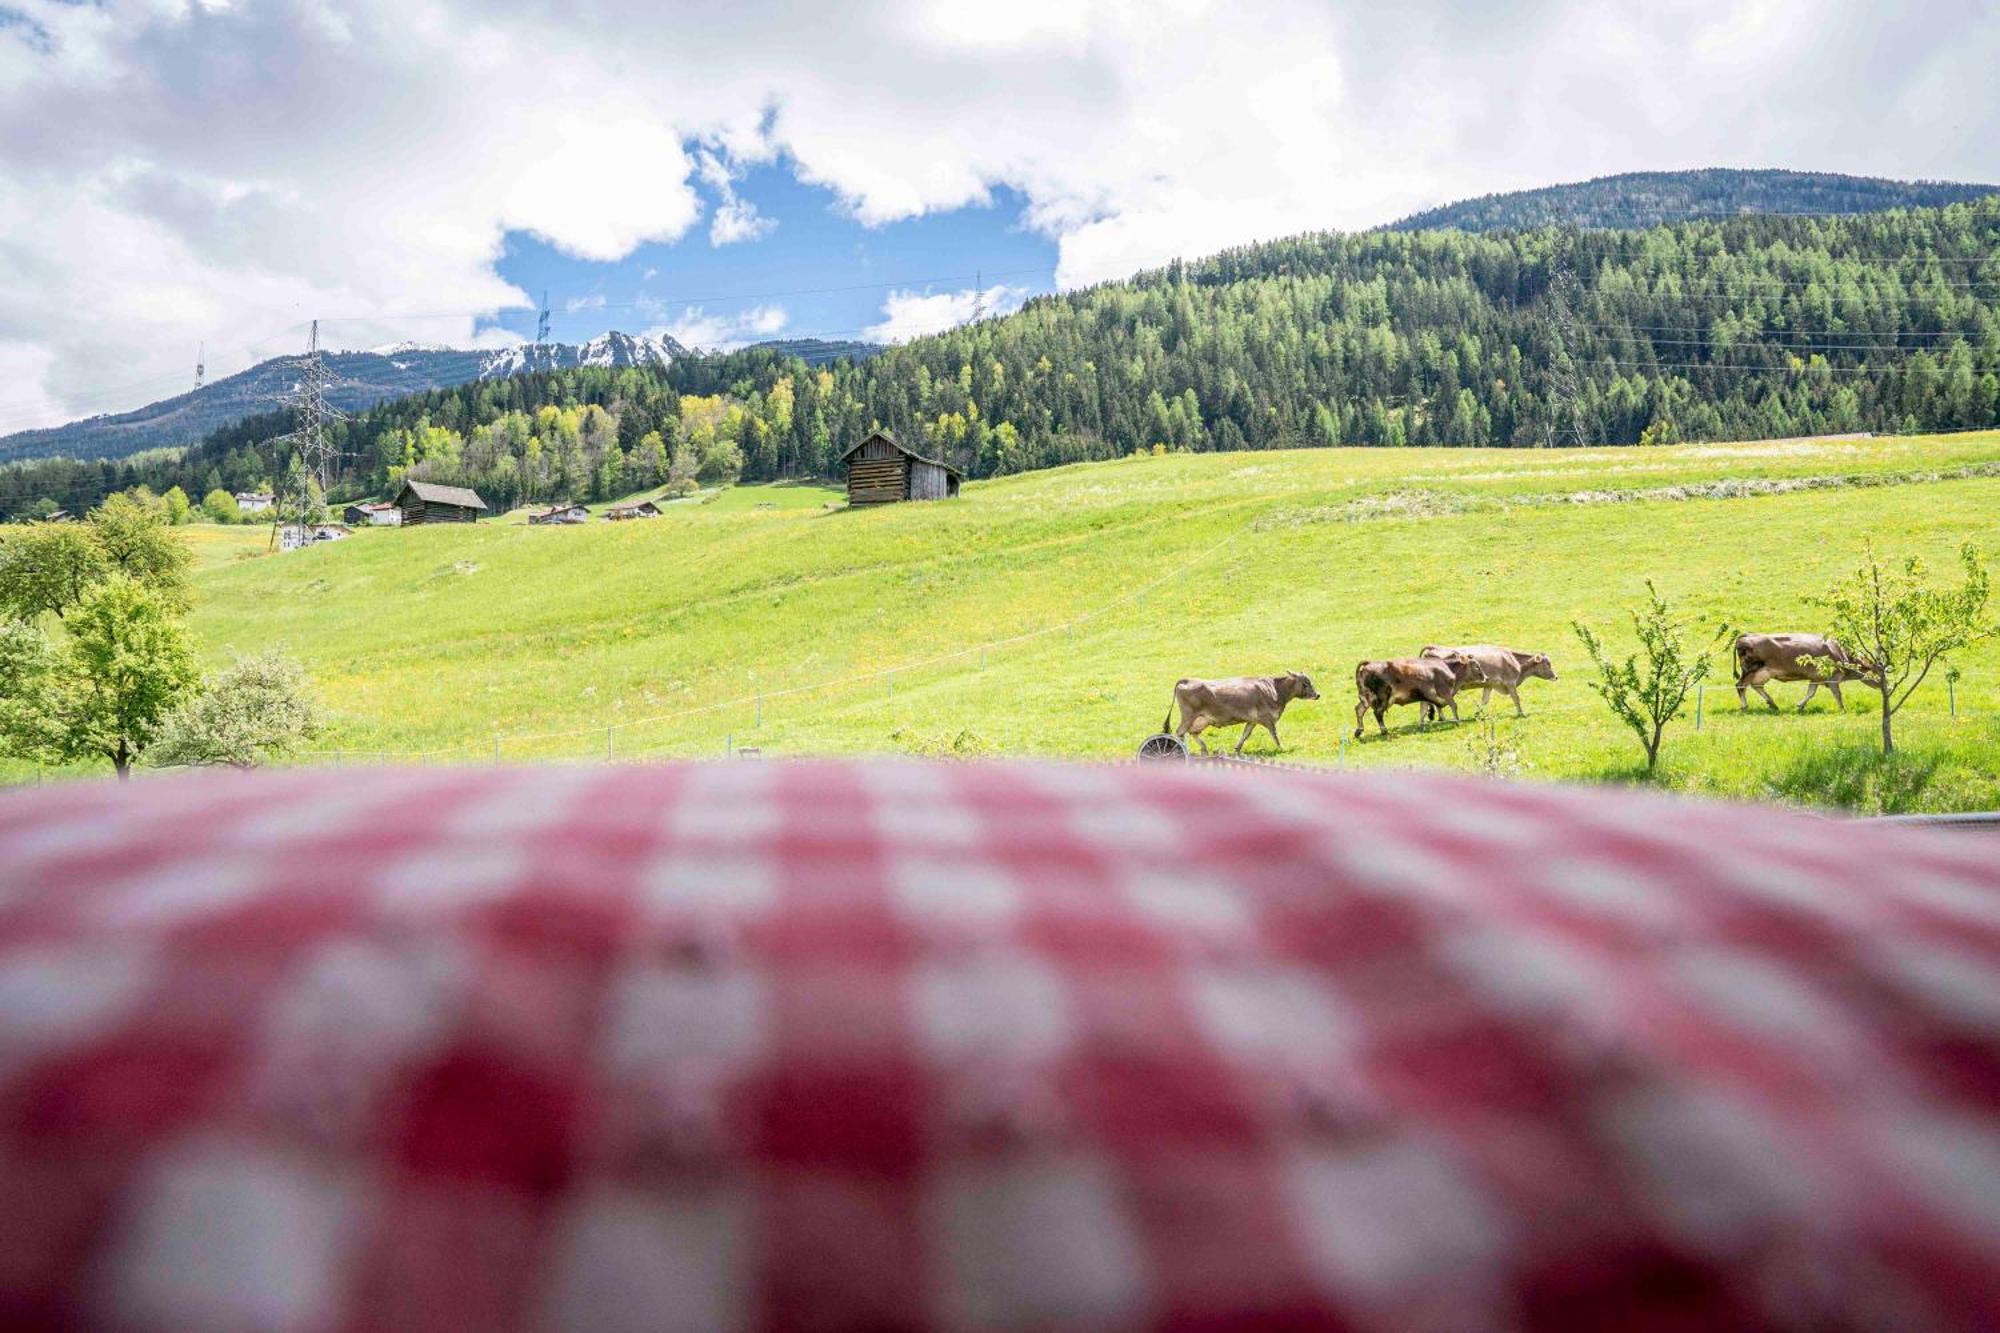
{"x":880,"y":471}
{"x":623,"y":513}
{"x":428,"y":502}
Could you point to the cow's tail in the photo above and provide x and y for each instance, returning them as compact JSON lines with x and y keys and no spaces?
{"x":1743,"y":663}
{"x":1168,"y":724}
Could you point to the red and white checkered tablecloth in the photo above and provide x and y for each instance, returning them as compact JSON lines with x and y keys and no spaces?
{"x":880,"y":1045}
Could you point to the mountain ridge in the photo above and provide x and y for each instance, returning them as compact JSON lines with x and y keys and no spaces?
{"x":361,"y":379}
{"x":1637,"y":199}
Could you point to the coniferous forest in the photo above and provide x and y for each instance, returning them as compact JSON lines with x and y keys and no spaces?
{"x":1749,"y":328}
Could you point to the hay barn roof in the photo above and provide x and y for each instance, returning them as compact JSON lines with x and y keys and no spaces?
{"x":433,"y":494}
{"x":891,"y":441}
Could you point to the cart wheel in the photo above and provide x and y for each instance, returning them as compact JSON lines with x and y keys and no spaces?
{"x":1163,"y":746}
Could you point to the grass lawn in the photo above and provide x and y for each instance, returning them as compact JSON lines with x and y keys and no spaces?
{"x":1096,"y":586}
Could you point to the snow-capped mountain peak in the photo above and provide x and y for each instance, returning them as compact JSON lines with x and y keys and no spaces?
{"x":612,"y":349}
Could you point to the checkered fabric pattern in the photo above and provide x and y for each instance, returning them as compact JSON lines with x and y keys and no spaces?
{"x":882,"y":1045}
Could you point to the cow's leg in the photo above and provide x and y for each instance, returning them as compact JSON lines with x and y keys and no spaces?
{"x":1838,"y":702}
{"x":1244,"y":739}
{"x":1812,"y":688}
{"x":1360,"y":712}
{"x":1454,"y":710}
{"x":1514,"y":693}
{"x":1199,"y":725}
{"x":1272,"y":727}
{"x":1758,"y":685}
{"x":1380,"y":725}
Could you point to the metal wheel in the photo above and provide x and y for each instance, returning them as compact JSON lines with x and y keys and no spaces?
{"x":1163,"y":746}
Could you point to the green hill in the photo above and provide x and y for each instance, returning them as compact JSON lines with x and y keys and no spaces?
{"x":1050,"y":614}
{"x":1653,"y":198}
{"x":1759,"y":327}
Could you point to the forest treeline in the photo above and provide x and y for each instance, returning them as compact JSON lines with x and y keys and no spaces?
{"x":1749,"y":328}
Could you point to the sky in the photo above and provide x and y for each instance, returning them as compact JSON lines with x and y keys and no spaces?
{"x":185,"y":173}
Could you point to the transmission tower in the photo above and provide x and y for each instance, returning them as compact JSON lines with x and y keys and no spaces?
{"x":200,"y":365}
{"x":542,"y":320}
{"x":303,"y":485}
{"x":1563,"y":426}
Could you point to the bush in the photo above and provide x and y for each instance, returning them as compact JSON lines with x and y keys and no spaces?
{"x":257,"y":710}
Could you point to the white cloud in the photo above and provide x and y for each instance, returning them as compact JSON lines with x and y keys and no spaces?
{"x":174,"y":171}
{"x":697,"y":328}
{"x":739,"y":220}
{"x":595,"y":301}
{"x":907,"y":315}
{"x":736,"y":219}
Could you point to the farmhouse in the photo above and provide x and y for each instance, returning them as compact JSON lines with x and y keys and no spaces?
{"x":880,"y":471}
{"x":254,"y":502}
{"x":379,"y":514}
{"x":428,"y":502}
{"x":561,"y":514}
{"x":644,"y":509}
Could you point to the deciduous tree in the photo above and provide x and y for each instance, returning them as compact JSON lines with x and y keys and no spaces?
{"x":1902,"y":625}
{"x":1650,"y":688}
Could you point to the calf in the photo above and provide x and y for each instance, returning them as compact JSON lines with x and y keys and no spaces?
{"x":1432,"y":682}
{"x":1498,"y":668}
{"x":1793,"y":657}
{"x":1255,"y":701}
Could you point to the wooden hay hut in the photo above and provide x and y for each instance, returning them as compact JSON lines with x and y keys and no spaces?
{"x":561,"y":514}
{"x":880,"y":471}
{"x":428,"y":502}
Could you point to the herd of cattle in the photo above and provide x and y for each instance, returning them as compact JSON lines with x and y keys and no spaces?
{"x":1434,"y":677}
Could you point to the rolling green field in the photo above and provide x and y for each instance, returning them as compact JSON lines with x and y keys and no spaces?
{"x":1093,"y":588}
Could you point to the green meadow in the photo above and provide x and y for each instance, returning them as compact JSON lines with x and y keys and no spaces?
{"x":1051,"y":613}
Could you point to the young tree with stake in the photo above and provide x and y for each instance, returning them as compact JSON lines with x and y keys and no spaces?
{"x":1900,"y":625}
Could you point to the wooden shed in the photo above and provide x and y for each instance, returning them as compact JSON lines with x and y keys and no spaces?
{"x":428,"y":502}
{"x":643,"y":509}
{"x":880,"y":471}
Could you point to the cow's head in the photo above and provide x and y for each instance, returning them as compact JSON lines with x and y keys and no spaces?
{"x":1538,"y":664}
{"x":1298,"y":685}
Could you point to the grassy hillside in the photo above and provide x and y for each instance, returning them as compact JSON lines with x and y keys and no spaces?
{"x":1100,"y":584}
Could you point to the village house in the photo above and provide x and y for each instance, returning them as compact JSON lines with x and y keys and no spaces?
{"x":428,"y":502}
{"x":254,"y":502}
{"x":643,"y":509}
{"x":561,"y":514}
{"x":880,"y":471}
{"x":375,"y":513}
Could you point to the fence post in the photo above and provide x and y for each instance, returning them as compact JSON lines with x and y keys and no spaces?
{"x":1341,"y":735}
{"x":1697,"y":706}
{"x":760,"y":709}
{"x":610,"y":743}
{"x":728,"y":744}
{"x":496,"y":747}
{"x":1951,"y":693}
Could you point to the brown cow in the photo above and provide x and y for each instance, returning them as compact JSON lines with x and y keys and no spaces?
{"x":1255,"y":701}
{"x":1790,"y":657}
{"x":1501,"y":669}
{"x":1432,"y":682}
